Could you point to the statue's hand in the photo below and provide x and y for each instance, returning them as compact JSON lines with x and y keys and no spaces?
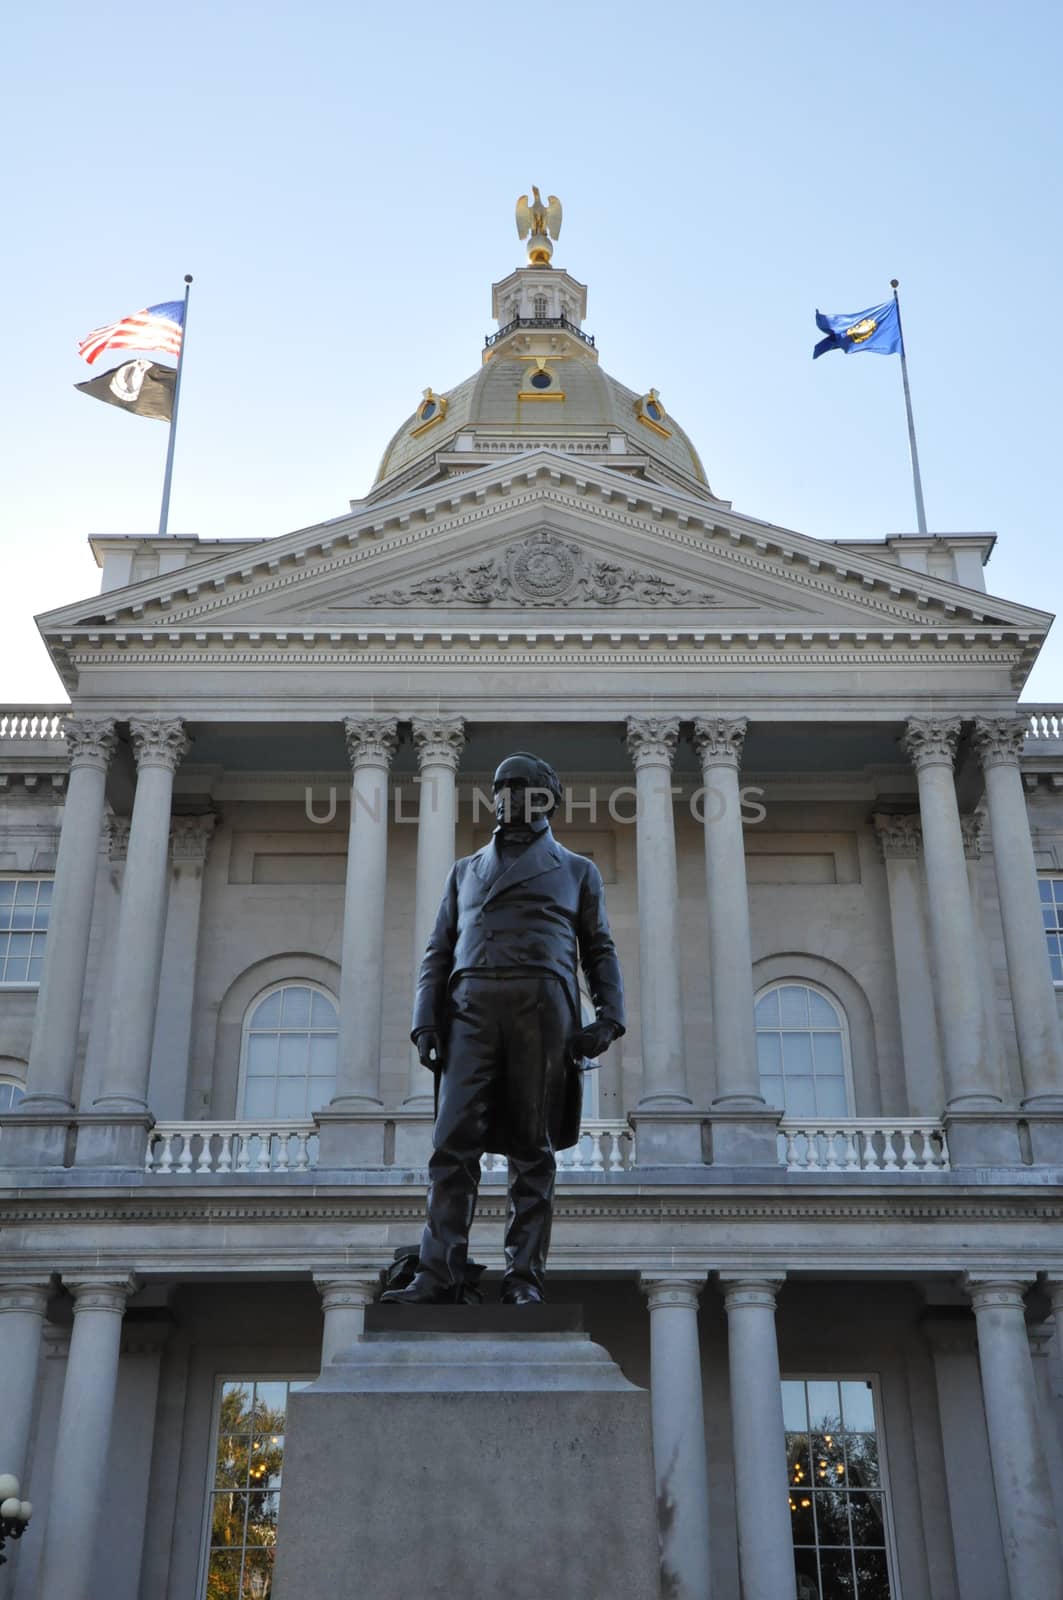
{"x":592,"y":1040}
{"x":430,"y":1049}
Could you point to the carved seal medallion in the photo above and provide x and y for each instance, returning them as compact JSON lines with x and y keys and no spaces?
{"x":543,"y":567}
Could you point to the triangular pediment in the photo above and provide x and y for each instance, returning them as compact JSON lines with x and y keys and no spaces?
{"x":536,"y":541}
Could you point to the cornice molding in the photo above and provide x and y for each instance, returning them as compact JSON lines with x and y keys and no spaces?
{"x":664,"y":514}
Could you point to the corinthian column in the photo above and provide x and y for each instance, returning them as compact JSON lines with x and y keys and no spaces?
{"x":900,"y":842}
{"x":970,"y":1081}
{"x":371,"y":743}
{"x":652,"y":742}
{"x":999,"y":742}
{"x":23,"y":1302}
{"x":718,"y":741}
{"x":158,"y":745}
{"x":90,"y":742}
{"x":438,"y":742}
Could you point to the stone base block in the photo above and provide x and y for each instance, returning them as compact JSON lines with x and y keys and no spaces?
{"x":35,"y":1139}
{"x":350,"y":1140}
{"x":983,"y":1139}
{"x":745,"y":1138}
{"x":413,"y":1138}
{"x":669,"y":1138}
{"x":113,"y":1139}
{"x":444,"y":1465}
{"x":1046,"y":1138}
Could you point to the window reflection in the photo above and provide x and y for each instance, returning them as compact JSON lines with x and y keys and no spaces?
{"x":837,"y":1507}
{"x":245,"y":1493}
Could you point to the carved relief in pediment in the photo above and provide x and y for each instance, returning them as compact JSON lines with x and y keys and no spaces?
{"x":548,"y":571}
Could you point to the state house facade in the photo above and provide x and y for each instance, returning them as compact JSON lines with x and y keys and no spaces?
{"x":816,"y":1204}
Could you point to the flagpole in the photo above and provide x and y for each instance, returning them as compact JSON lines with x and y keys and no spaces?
{"x":164,"y":514}
{"x":920,"y":510}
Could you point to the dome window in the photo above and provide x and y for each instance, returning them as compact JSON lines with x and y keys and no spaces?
{"x":651,"y":413}
{"x":432,"y":409}
{"x":540,"y":383}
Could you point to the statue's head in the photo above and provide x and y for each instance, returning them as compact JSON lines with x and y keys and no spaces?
{"x":525,"y":789}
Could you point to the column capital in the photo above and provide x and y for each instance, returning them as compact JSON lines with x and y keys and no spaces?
{"x":670,"y":1289}
{"x":1000,"y":740}
{"x":117,"y":831}
{"x":719,"y":740}
{"x":26,"y":1294}
{"x":652,"y":740}
{"x":190,"y":837}
{"x":900,"y":836}
{"x":1054,"y":1289}
{"x":100,"y":1291}
{"x":158,"y":742}
{"x":354,"y":1290}
{"x":997,"y":1289}
{"x":90,"y":741}
{"x":971,"y":826}
{"x":371,"y":741}
{"x":438,"y":741}
{"x":930,"y":741}
{"x":750,"y":1289}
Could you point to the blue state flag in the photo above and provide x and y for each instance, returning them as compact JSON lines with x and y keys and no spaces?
{"x":877,"y":329}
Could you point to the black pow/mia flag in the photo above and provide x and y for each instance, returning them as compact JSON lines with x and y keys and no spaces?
{"x":143,"y":387}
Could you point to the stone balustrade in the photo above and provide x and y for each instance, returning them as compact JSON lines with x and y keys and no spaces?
{"x":1046,"y":723}
{"x":851,"y":1144}
{"x":200,"y":1149}
{"x":34,"y":722}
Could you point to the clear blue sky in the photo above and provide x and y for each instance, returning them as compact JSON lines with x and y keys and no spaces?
{"x":341,"y":178}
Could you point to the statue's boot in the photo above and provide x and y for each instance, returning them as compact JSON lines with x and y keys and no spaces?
{"x":425,"y":1290}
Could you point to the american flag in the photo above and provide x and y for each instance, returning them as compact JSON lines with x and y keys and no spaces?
{"x":156,"y":328}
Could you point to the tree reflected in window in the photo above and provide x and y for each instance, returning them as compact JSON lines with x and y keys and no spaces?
{"x":246,"y":1490}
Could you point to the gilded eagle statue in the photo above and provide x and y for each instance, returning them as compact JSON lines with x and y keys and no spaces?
{"x":539,"y":223}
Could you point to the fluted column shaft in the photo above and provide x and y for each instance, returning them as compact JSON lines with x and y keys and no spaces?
{"x":999,"y":743}
{"x":1020,"y":1474}
{"x":678,"y":1420}
{"x":344,"y":1297}
{"x":438,"y":742}
{"x":652,"y":743}
{"x":970,"y":1082}
{"x":23,"y":1302}
{"x":765,"y":1540}
{"x":84,"y":1436}
{"x":718,"y":741}
{"x":371,"y":743}
{"x":53,"y":1049}
{"x":158,"y":745}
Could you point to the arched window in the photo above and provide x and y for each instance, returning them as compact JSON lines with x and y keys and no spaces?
{"x":288,"y":1061}
{"x":10,"y":1093}
{"x":803,"y":1051}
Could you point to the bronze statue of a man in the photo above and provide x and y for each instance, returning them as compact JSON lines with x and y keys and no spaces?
{"x":497,"y":1018}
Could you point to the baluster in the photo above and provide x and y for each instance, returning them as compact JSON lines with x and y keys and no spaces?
{"x":908,"y":1161}
{"x":225,"y":1153}
{"x":149,"y":1159}
{"x":811,"y":1150}
{"x":852,"y":1157}
{"x":831,"y":1134}
{"x":264,"y":1152}
{"x":185,"y":1163}
{"x":281,"y":1164}
{"x":597,"y":1164}
{"x":791,"y":1150}
{"x":166,"y":1164}
{"x":944,"y":1159}
{"x":616,"y":1154}
{"x":302,"y":1153}
{"x":889,"y":1163}
{"x":243,"y":1152}
{"x":204,"y":1164}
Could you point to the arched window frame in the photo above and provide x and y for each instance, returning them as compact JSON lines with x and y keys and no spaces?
{"x":8,"y":1101}
{"x":799,"y":981}
{"x":251,"y":1009}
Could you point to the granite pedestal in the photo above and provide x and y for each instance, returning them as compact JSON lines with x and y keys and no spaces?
{"x":463,"y":1453}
